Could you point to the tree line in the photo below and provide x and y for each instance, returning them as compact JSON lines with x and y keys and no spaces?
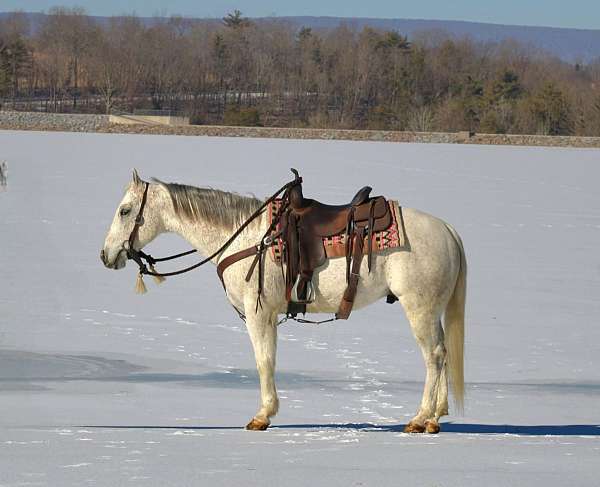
{"x":249,"y":72}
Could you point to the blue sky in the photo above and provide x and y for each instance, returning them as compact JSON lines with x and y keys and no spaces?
{"x":558,"y":13}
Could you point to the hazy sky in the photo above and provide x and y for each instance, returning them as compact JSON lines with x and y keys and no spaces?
{"x":558,"y":13}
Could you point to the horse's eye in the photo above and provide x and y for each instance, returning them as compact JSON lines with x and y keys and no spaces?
{"x":124,"y":211}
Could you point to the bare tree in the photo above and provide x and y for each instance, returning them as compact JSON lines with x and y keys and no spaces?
{"x":274,"y":73}
{"x":67,"y":37}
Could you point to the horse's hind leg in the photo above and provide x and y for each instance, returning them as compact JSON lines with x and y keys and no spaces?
{"x":429,"y":334}
{"x":442,"y":397}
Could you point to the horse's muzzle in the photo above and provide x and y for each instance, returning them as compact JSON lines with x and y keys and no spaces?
{"x":118,"y":263}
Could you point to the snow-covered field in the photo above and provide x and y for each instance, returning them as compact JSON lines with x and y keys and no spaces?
{"x":99,"y":386}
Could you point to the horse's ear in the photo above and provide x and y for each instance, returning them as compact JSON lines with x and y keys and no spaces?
{"x":136,"y":177}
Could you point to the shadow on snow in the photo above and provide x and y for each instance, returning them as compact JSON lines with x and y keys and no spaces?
{"x":461,"y":428}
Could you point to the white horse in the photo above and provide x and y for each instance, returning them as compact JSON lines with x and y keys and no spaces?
{"x":427,"y":275}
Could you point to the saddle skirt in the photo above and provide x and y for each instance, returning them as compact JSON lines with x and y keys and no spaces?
{"x":335,"y":245}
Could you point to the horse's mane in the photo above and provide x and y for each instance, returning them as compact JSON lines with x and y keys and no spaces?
{"x":222,"y":208}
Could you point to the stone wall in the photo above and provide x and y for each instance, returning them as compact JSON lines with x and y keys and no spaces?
{"x":52,"y":121}
{"x":100,"y":123}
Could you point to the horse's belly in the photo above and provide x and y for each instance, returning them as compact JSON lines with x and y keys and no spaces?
{"x":330,"y":284}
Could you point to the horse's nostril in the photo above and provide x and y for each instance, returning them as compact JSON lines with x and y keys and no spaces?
{"x":102,"y":256}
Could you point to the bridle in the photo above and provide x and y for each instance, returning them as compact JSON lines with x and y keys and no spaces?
{"x":139,"y":256}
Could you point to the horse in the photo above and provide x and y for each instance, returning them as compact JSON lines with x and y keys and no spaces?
{"x":428,"y":275}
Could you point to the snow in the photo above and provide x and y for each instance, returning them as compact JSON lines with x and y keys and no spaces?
{"x":101,"y":386}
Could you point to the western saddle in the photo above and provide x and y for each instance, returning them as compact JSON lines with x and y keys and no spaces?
{"x":302,"y":224}
{"x":306,"y":222}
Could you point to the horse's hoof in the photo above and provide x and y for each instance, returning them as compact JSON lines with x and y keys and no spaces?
{"x":432,"y":427}
{"x":414,"y":428}
{"x":257,"y":425}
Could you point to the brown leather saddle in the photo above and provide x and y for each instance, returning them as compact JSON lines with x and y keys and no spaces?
{"x":302,"y":224}
{"x":306,"y":222}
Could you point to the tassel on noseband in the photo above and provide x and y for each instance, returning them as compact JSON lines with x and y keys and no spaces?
{"x":157,"y":279}
{"x":140,"y":287}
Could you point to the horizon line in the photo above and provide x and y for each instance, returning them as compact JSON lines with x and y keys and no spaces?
{"x":341,"y":17}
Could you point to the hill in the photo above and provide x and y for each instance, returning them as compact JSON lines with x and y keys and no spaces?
{"x":572,"y":45}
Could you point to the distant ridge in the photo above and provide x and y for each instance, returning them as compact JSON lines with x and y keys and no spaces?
{"x":572,"y":45}
{"x":568,"y":44}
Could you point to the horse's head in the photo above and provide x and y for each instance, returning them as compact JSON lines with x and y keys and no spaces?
{"x":114,"y":252}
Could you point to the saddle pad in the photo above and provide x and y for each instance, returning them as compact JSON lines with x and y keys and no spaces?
{"x":335,"y":246}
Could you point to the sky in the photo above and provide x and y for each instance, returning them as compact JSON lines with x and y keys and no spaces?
{"x":584,"y":14}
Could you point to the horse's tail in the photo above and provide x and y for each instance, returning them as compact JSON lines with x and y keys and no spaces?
{"x":454,"y":328}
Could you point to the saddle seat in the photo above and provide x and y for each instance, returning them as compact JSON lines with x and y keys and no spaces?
{"x":298,"y":202}
{"x":323,"y":220}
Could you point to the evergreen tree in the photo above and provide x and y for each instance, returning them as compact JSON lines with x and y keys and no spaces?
{"x":4,"y":74}
{"x":500,"y":101}
{"x":304,"y":34}
{"x":473,"y":103}
{"x":552,"y":111}
{"x":14,"y":58}
{"x":393,"y":39}
{"x":507,"y":87}
{"x":234,"y":20}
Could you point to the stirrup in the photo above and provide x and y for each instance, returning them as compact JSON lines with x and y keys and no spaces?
{"x":310,"y":292}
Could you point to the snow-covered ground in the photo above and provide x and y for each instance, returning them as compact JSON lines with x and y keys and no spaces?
{"x":100,"y":386}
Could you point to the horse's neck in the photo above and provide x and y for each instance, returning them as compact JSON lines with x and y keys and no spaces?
{"x":207,"y":238}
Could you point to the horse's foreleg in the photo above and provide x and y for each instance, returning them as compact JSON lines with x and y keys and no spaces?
{"x":430,"y":336}
{"x":262,"y":328}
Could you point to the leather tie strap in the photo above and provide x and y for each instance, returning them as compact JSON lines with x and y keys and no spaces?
{"x":350,"y":292}
{"x":233,"y":258}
